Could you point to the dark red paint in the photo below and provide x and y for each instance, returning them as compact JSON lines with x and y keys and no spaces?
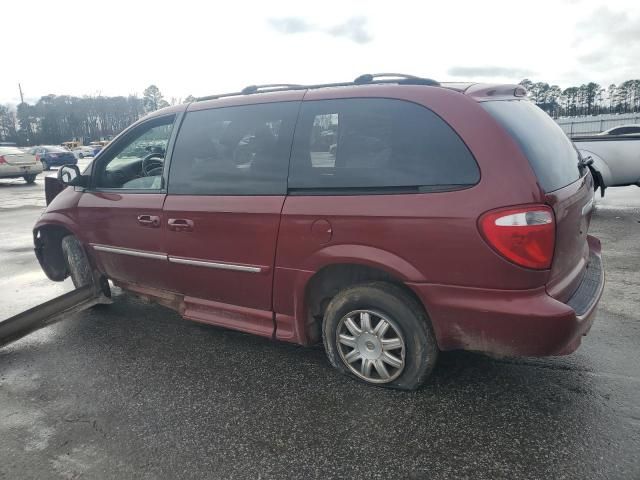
{"x":229,"y":229}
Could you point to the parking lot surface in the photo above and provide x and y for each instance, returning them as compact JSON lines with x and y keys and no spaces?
{"x":132,"y":390}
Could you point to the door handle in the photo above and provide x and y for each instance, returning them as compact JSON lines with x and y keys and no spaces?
{"x":149,"y":221}
{"x":180,"y":224}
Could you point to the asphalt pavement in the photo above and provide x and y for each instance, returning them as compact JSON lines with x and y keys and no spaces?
{"x":131,"y":390}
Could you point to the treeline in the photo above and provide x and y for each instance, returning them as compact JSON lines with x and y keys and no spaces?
{"x":587,"y":99}
{"x":55,"y":119}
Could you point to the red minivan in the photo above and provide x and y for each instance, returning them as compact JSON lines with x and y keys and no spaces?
{"x":390,"y":218}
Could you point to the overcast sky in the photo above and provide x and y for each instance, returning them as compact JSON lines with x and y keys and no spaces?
{"x":202,"y":47}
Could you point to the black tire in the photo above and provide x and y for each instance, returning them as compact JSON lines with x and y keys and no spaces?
{"x":420,"y":347}
{"x":29,"y":178}
{"x":81,"y":155}
{"x":77,"y":261}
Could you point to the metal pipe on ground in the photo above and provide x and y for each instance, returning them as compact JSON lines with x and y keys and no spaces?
{"x":48,"y":313}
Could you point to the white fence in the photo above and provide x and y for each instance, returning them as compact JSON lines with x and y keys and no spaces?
{"x":596,"y":123}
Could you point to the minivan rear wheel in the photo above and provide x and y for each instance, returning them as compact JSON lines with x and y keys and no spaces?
{"x":379,"y":334}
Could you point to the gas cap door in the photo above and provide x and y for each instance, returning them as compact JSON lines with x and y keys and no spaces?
{"x":322,"y":231}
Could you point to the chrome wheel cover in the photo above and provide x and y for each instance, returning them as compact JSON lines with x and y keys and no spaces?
{"x":371,"y":345}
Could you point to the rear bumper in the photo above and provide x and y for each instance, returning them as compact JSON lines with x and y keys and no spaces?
{"x":514,"y":322}
{"x":59,"y":162}
{"x":15,"y":171}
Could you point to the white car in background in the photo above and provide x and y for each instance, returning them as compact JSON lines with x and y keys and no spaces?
{"x":15,"y":163}
{"x":632,"y":129}
{"x":82,"y":152}
{"x":614,"y":156}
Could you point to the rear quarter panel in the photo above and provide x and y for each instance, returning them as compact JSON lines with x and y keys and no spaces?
{"x":425,"y":238}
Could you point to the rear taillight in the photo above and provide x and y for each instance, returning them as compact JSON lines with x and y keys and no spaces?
{"x":523,"y":235}
{"x":37,"y":157}
{"x":2,"y":160}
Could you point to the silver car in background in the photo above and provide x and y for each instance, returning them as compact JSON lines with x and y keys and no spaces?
{"x":616,"y":158}
{"x":622,"y":130}
{"x":15,"y":163}
{"x":83,"y":151}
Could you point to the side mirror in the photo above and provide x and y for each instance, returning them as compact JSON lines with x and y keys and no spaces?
{"x":70,"y":175}
{"x":80,"y":181}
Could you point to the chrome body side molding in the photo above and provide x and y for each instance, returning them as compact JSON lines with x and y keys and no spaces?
{"x":221,"y":266}
{"x":179,"y":260}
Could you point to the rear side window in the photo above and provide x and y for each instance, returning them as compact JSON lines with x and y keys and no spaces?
{"x":240,"y":150}
{"x":377,"y":144}
{"x":551,"y":154}
{"x":624,"y":130}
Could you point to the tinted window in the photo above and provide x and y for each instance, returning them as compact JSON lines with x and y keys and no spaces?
{"x":56,"y":149}
{"x":550,"y":153}
{"x":240,"y":150}
{"x":625,"y":130}
{"x":377,"y":144}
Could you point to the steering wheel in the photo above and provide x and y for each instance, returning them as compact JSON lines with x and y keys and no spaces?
{"x":152,"y":164}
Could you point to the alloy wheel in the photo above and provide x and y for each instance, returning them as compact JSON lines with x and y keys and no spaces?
{"x":371,"y":345}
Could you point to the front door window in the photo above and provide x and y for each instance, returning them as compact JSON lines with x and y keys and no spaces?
{"x":137,"y":162}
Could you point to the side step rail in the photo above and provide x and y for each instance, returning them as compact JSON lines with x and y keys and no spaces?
{"x":49,"y":312}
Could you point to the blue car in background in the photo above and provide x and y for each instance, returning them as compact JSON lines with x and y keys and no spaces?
{"x":53,"y":156}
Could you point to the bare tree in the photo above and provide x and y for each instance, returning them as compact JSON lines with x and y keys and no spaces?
{"x":152,"y":99}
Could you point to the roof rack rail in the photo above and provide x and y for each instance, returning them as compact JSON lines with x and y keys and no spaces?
{"x":270,"y":87}
{"x":366,"y":79}
{"x":400,"y":78}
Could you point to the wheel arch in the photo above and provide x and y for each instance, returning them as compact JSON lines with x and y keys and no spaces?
{"x":330,"y":279}
{"x":47,"y":239}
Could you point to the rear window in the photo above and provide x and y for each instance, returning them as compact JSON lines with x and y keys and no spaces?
{"x":551,"y":154}
{"x":56,"y":150}
{"x":372,"y":145}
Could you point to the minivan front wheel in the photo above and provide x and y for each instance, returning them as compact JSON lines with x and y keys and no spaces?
{"x":379,"y":334}
{"x":77,"y":261}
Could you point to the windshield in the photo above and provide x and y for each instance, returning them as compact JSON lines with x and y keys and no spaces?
{"x":551,"y":154}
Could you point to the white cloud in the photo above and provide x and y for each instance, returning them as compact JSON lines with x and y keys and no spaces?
{"x":489,"y":71}
{"x":193,"y":47}
{"x":354,"y":28}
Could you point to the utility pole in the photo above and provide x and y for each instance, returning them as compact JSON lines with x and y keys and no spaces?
{"x":21,"y":96}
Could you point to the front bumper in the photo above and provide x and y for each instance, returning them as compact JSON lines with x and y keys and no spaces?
{"x":514,"y":322}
